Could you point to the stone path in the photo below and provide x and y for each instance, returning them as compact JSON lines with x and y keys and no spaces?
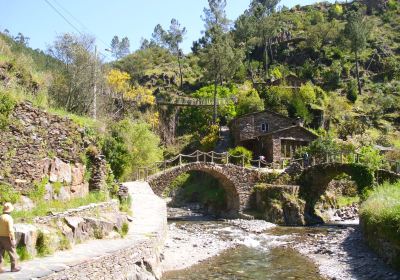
{"x":146,"y":209}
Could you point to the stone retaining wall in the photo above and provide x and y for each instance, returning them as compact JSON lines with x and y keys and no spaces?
{"x":111,"y":206}
{"x":38,"y":145}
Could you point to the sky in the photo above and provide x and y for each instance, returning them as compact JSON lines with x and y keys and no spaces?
{"x":134,"y":19}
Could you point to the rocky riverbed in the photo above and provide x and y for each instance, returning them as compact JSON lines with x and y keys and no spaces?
{"x":341,"y":254}
{"x":337,"y":250}
{"x":189,"y":244}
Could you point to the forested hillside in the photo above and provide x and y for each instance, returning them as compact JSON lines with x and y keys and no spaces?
{"x":336,"y":66}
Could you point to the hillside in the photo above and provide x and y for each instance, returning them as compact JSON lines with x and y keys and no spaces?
{"x":299,"y":62}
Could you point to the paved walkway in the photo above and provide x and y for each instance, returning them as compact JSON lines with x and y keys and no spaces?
{"x":146,"y":209}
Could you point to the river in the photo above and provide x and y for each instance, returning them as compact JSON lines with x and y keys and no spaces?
{"x":250,"y":250}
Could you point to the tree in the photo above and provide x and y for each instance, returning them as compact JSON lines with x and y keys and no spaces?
{"x":72,"y":86}
{"x":171,"y":39}
{"x":220,"y":59}
{"x":119,"y":48}
{"x":357,"y":32}
{"x":127,"y":94}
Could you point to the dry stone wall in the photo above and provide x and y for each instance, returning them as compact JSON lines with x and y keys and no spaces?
{"x":39,"y":145}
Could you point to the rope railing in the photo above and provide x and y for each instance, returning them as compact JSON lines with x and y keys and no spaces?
{"x":246,"y":162}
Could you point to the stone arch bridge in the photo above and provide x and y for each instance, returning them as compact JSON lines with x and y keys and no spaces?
{"x":238,"y":180}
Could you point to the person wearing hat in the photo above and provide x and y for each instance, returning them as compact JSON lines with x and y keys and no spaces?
{"x":7,"y":238}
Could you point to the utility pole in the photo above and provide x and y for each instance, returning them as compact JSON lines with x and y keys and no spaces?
{"x":94,"y":84}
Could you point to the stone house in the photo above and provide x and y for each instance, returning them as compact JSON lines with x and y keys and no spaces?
{"x":272,"y":135}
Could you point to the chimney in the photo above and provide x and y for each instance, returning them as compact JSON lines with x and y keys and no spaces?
{"x":299,"y":121}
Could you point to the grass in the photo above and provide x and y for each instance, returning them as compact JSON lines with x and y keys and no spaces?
{"x":44,"y":207}
{"x":343,"y":201}
{"x":381,"y":212}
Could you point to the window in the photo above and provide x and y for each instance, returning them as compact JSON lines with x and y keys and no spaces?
{"x":264,"y":127}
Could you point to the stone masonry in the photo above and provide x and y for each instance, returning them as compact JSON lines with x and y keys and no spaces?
{"x":38,"y":145}
{"x":237,"y":181}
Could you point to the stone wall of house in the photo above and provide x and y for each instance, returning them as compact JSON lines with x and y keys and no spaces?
{"x":39,"y":145}
{"x":249,"y":126}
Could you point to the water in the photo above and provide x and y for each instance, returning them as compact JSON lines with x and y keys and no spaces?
{"x":258,"y":256}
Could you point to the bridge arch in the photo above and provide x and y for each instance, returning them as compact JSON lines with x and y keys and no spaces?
{"x":236,"y":181}
{"x":314,"y":180}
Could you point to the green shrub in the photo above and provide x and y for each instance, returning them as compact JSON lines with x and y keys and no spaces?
{"x":380,"y":212}
{"x":43,"y":244}
{"x":39,"y":190}
{"x":124,"y":229}
{"x":371,"y":157}
{"x":23,"y":253}
{"x":64,"y":244}
{"x":352,"y":91}
{"x":130,"y":145}
{"x":7,"y":104}
{"x":210,"y":140}
{"x":240,"y":155}
{"x":8,"y":194}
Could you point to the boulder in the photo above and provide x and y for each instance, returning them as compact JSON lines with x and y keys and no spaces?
{"x":60,"y":171}
{"x":26,"y":235}
{"x":77,"y":225}
{"x":24,"y":204}
{"x":97,"y":228}
{"x":78,"y":174}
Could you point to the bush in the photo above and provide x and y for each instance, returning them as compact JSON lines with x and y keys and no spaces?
{"x":130,"y":145}
{"x":8,"y":194}
{"x":352,"y":91}
{"x":39,"y":190}
{"x":236,"y":156}
{"x":43,"y":244}
{"x":124,"y":229}
{"x":371,"y":157}
{"x":380,"y":213}
{"x":210,"y":140}
{"x":7,"y":104}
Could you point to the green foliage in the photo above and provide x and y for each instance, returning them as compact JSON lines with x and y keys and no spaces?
{"x":64,"y":244}
{"x":201,"y":187}
{"x":42,"y":208}
{"x":124,"y":229}
{"x":125,"y":205}
{"x":249,"y":101}
{"x":23,"y":253}
{"x":352,"y":91}
{"x":43,"y":244}
{"x":343,"y":201}
{"x":130,"y":145}
{"x":209,"y":141}
{"x":39,"y":190}
{"x":199,"y":119}
{"x":240,"y":155}
{"x":371,"y":157}
{"x":380,"y":215}
{"x":7,"y":104}
{"x":8,"y":194}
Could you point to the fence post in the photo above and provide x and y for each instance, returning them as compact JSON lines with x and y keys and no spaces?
{"x":313,"y":160}
{"x":180,"y":159}
{"x":197,"y":156}
{"x":212,"y":156}
{"x":205,"y":157}
{"x":227,"y":158}
{"x":242,"y":160}
{"x":259,"y":163}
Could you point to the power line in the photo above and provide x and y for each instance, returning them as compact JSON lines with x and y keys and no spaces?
{"x":61,"y":15}
{"x":77,"y":20}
